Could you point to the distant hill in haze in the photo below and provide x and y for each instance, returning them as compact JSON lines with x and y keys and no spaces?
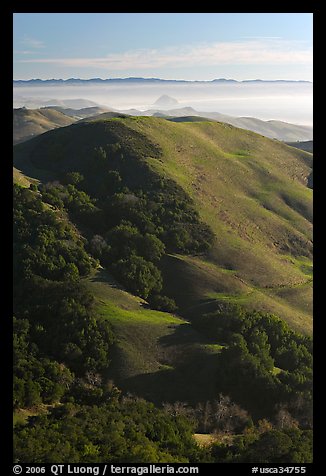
{"x":34,"y":102}
{"x":165,"y":101}
{"x":28,"y":123}
{"x":306,"y":145}
{"x":280,"y":130}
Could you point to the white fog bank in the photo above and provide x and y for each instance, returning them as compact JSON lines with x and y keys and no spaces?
{"x":285,"y":101}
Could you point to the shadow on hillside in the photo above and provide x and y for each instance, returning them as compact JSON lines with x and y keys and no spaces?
{"x":191,"y":381}
{"x":184,"y":335}
{"x":22,"y":161}
{"x":189,"y":374}
{"x":203,"y":306}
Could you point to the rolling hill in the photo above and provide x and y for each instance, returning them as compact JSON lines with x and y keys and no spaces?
{"x":279,"y":130}
{"x":156,"y":354}
{"x":28,"y":123}
{"x":250,"y":190}
{"x":34,"y":102}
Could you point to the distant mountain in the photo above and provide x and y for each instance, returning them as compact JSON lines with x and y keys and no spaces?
{"x":37,"y":102}
{"x":77,"y":103}
{"x":223,"y":80}
{"x":165,"y":101}
{"x":37,"y":82}
{"x":279,"y":130}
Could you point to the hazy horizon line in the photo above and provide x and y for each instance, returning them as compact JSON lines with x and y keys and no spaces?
{"x":164,"y":79}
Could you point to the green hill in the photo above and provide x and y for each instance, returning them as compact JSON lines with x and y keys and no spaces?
{"x":251,"y":191}
{"x":157,"y":355}
{"x":152,"y":259}
{"x":283,"y":131}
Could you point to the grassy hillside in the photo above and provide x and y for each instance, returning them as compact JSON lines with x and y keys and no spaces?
{"x":157,"y":355}
{"x":273,"y":129}
{"x":251,"y":191}
{"x":28,"y":123}
{"x":21,"y":179}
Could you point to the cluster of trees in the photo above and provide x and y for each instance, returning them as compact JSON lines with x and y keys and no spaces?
{"x":132,"y":430}
{"x":264,"y":363}
{"x":290,"y":445}
{"x":129,"y":228}
{"x":238,"y":440}
{"x":37,"y":379}
{"x":57,"y":338}
{"x":122,"y":429}
{"x":45,"y":244}
{"x":220,"y":416}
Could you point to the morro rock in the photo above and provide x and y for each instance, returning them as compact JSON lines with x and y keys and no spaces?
{"x":165,"y":101}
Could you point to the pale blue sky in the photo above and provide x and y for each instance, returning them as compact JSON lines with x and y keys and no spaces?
{"x":191,"y":46}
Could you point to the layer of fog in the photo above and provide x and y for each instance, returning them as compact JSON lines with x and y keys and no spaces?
{"x":289,"y":102}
